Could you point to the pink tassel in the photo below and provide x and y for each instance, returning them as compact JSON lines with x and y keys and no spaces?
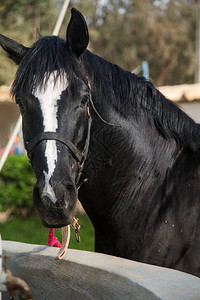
{"x":52,"y":240}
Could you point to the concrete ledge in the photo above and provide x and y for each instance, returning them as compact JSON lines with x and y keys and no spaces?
{"x":87,"y":275}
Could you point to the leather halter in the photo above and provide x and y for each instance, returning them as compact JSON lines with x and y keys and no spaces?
{"x":57,"y":136}
{"x":50,"y":135}
{"x":80,"y":156}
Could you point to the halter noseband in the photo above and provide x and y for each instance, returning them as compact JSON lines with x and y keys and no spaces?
{"x":50,"y":135}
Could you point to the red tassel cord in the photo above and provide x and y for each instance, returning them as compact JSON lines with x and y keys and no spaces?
{"x":52,"y":240}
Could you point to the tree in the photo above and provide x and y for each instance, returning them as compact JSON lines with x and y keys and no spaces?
{"x":125,"y":32}
{"x":21,"y":20}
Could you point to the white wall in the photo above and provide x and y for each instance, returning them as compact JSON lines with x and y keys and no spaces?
{"x":192,"y":109}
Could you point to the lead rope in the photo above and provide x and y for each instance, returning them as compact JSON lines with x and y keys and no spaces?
{"x":100,"y":117}
{"x":53,"y":241}
{"x":96,"y":111}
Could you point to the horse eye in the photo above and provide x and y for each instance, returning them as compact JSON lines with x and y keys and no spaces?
{"x":84,"y":101}
{"x":21,"y":107}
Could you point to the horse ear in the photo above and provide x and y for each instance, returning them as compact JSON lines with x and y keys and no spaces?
{"x":77,"y":33}
{"x":15,"y":50}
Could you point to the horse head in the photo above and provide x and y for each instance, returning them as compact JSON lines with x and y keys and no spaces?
{"x":53,"y":95}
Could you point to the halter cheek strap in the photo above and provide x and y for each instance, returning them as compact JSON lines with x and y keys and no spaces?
{"x":85,"y":153}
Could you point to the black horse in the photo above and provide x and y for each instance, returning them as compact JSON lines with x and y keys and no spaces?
{"x":84,"y":117}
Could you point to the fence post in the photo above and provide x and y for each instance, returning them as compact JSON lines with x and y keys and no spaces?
{"x":145,"y":70}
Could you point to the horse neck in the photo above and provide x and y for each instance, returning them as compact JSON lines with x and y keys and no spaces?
{"x":124,"y":176}
{"x":127,"y":166}
{"x":124,"y":167}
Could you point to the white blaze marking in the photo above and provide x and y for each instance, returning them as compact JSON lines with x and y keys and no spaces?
{"x":48,"y":96}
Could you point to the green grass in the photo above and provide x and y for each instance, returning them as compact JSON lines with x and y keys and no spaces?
{"x":30,"y":230}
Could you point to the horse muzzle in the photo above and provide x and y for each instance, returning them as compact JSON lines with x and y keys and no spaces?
{"x":55,"y":205}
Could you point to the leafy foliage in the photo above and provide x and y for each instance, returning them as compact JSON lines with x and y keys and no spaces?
{"x":24,"y":21}
{"x":16,"y":184}
{"x":160,"y":32}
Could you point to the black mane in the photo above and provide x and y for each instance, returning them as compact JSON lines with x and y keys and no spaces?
{"x":133,"y":95}
{"x":128,"y":93}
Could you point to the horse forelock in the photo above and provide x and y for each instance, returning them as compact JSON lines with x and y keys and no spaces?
{"x":47,"y":55}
